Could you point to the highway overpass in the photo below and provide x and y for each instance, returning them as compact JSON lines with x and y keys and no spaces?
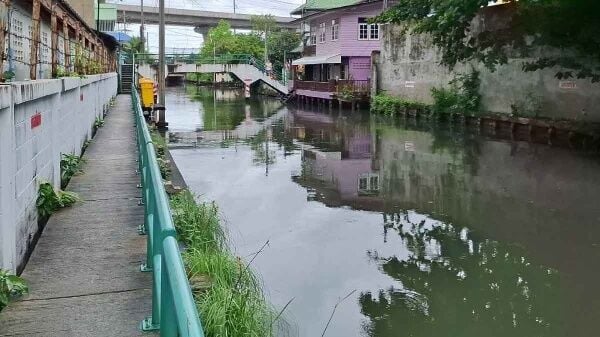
{"x":201,"y":20}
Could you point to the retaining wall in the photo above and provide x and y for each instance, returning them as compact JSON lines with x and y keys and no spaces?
{"x":39,"y":121}
{"x":409,"y":66}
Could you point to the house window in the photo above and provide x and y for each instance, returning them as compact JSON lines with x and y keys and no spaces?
{"x":374,"y":32}
{"x":322,"y":32}
{"x":313,"y":37}
{"x":368,"y":183}
{"x":367,"y":31}
{"x":45,"y":49}
{"x":17,"y":40}
{"x":335,"y":29}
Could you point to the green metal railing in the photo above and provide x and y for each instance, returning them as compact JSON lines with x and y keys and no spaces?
{"x":174,"y":311}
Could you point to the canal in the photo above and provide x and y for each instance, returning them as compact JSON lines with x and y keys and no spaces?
{"x":389,"y":227}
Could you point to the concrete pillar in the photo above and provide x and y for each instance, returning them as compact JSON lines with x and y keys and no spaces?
{"x":54,"y":42}
{"x":35,"y":39}
{"x":66,"y":44}
{"x":4,"y":8}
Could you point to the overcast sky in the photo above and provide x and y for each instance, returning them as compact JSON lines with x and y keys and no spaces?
{"x":184,"y":39}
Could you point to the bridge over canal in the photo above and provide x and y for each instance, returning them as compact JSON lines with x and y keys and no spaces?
{"x":245,"y":67}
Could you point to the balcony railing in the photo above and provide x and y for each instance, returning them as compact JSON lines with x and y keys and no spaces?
{"x":333,"y":86}
{"x":315,"y":86}
{"x":353,"y":86}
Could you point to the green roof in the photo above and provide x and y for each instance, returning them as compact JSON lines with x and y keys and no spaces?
{"x":319,"y":5}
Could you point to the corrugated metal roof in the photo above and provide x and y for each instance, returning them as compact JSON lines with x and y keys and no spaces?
{"x":319,"y":5}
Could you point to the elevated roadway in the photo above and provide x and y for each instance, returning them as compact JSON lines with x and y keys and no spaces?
{"x":199,"y":19}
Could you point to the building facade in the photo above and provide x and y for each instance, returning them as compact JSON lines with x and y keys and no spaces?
{"x":41,"y":39}
{"x":336,"y":61}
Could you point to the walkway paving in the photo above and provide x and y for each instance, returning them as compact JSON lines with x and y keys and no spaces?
{"x":84,"y":273}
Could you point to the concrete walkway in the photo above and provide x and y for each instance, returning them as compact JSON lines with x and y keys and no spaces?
{"x":84,"y":273}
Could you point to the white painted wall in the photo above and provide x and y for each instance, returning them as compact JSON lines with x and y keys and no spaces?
{"x":29,"y":156}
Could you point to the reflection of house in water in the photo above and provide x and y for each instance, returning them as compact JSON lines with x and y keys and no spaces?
{"x":337,"y":161}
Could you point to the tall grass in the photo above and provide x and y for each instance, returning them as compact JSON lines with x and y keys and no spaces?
{"x":229,"y":296}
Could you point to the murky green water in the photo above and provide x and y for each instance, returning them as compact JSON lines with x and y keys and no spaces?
{"x":424,"y":231}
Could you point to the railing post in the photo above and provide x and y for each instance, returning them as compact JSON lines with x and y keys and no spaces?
{"x":167,"y":310}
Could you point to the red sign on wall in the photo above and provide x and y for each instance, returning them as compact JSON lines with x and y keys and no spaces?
{"x":36,"y":120}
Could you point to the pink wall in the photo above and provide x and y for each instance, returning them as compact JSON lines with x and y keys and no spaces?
{"x":360,"y":67}
{"x":348,"y":43}
{"x":329,"y":47}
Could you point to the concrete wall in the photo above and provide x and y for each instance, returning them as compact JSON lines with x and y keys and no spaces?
{"x":86,"y":10}
{"x":409,"y":67}
{"x":31,"y":154}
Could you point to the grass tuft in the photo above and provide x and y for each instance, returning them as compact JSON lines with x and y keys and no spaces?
{"x":228,"y":295}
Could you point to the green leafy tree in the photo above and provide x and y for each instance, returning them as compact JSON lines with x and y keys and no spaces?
{"x":221,"y":40}
{"x":264,"y":25}
{"x":570,"y":26}
{"x":280,"y":45}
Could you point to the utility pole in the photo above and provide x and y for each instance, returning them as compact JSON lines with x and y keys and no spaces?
{"x":97,"y":15}
{"x":160,"y":108}
{"x":161,"y":53}
{"x":142,"y":36}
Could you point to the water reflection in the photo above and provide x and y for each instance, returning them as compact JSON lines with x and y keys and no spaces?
{"x":442,"y":232}
{"x":455,"y":284}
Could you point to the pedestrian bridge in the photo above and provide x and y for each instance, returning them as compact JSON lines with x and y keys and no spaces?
{"x":245,"y":67}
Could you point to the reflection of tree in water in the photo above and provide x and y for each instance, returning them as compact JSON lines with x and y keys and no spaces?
{"x":283,"y":138}
{"x":226,"y":109}
{"x":457,"y":143}
{"x":454,"y":284}
{"x":263,"y":155}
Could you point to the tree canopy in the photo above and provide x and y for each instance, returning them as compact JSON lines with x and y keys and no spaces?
{"x":222,"y":40}
{"x":280,"y":45}
{"x":570,"y":26}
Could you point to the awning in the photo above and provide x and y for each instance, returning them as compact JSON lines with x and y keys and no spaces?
{"x":337,"y":58}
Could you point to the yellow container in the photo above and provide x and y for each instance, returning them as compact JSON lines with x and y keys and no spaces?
{"x":147,"y":93}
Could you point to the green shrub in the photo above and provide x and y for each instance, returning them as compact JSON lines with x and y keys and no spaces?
{"x":70,"y":165}
{"x":160,"y":144}
{"x":389,"y":105}
{"x":10,"y":286}
{"x":49,"y":200}
{"x":460,"y":98}
{"x":98,"y":123}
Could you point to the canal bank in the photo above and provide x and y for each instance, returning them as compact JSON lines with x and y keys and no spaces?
{"x":428,"y":229}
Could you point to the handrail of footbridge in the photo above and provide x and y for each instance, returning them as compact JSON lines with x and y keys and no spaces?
{"x":174,"y":311}
{"x":146,"y":58}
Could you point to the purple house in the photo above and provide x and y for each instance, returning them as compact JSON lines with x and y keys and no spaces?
{"x":337,"y":51}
